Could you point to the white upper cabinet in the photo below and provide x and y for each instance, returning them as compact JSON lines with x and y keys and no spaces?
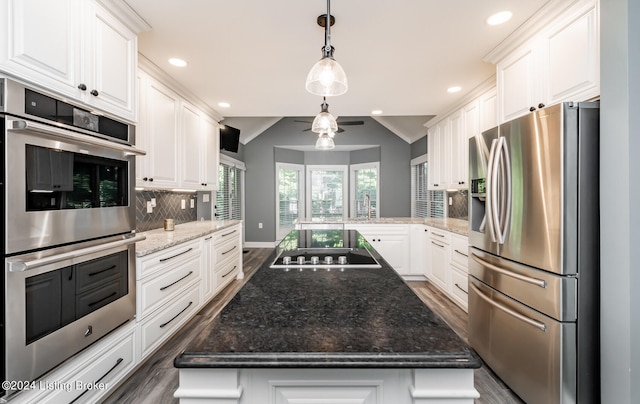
{"x":559,"y":63}
{"x":191,"y":136}
{"x":157,"y":134}
{"x":488,"y":111}
{"x":211,"y":150}
{"x":72,"y":47}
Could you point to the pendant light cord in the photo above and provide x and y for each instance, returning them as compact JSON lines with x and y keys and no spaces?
{"x":327,"y":31}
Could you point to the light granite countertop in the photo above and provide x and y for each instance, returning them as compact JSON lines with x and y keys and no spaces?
{"x":159,"y":239}
{"x":458,"y":226}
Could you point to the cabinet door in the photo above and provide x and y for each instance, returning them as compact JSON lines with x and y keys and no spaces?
{"x":439,"y":264}
{"x":211,"y":154}
{"x":458,"y":153}
{"x":488,"y":103}
{"x":110,"y":63}
{"x":191,"y":136}
{"x":34,"y":48}
{"x":434,"y":159}
{"x":394,"y":248}
{"x":571,"y":55}
{"x":419,"y":234}
{"x":162,"y":126}
{"x":517,"y":82}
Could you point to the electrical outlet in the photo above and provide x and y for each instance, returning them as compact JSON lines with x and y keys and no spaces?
{"x":450,"y":201}
{"x":183,"y":204}
{"x":260,"y":225}
{"x":153,"y":202}
{"x":205,"y":198}
{"x":192,"y":203}
{"x":149,"y":207}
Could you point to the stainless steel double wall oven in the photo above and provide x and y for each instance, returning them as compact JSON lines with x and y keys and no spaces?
{"x":68,"y":229}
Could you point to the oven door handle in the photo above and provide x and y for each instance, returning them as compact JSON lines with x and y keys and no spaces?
{"x":21,"y":265}
{"x":23,"y":126}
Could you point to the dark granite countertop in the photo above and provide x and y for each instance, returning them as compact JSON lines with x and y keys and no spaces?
{"x":351,"y":318}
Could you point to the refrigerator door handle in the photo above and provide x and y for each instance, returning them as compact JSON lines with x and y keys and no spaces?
{"x":505,"y":190}
{"x":495,"y":191}
{"x":491,"y":191}
{"x":541,"y":326}
{"x":534,"y":281}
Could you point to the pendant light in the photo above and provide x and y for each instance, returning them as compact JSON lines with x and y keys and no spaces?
{"x":324,"y":121}
{"x":325,"y":141}
{"x":327,"y":78}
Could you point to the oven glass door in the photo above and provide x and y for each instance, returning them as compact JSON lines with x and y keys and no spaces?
{"x":62,"y":188}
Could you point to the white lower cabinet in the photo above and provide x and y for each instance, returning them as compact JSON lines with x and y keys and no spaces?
{"x":159,"y":326}
{"x":448,"y":269}
{"x":391,"y":241}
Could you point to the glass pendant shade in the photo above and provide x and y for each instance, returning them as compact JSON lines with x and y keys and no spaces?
{"x":327,"y":78}
{"x":325,"y":142}
{"x":324,"y":122}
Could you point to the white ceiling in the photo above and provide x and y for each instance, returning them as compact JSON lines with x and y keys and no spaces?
{"x":399,"y":56}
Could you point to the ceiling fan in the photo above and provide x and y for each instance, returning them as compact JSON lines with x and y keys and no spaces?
{"x":340,"y":123}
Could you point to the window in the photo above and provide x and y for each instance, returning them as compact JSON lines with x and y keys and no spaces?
{"x":290,"y":200}
{"x":424,"y":203}
{"x":364,"y":190}
{"x":327,"y":192}
{"x":230,"y":191}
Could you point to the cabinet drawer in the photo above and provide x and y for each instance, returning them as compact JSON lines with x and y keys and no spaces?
{"x":167,"y":258}
{"x":227,"y":234}
{"x":460,"y":250}
{"x":442,"y":236}
{"x":162,"y":325}
{"x":158,"y":290}
{"x":224,"y":251}
{"x":105,"y":369}
{"x":459,"y":286}
{"x":226,"y":273}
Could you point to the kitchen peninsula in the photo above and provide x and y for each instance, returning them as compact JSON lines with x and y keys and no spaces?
{"x":326,"y":332}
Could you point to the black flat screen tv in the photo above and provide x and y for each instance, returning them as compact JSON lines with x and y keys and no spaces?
{"x":229,"y":138}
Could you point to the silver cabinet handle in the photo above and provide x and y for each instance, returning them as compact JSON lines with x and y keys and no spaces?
{"x":228,"y":251}
{"x":176,"y":316}
{"x":530,"y":321}
{"x":177,"y":255}
{"x":23,"y":126}
{"x":461,"y":253}
{"x":173,"y":283}
{"x":232,"y":269}
{"x":434,"y":243}
{"x":495,"y":268}
{"x":228,"y":234}
{"x":436,"y":234}
{"x":19,"y":265}
{"x":458,"y":286}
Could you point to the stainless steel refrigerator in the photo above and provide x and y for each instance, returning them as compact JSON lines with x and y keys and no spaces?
{"x":534,"y":253}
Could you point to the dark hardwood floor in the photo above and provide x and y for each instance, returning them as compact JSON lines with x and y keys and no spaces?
{"x":157,"y":379}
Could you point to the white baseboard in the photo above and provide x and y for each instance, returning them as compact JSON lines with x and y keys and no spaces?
{"x":258,"y":244}
{"x":414,"y":278}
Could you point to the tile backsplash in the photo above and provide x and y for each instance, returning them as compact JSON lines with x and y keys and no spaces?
{"x":459,"y":207}
{"x":168,"y":206}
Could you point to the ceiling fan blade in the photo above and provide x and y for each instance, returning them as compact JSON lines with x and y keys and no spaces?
{"x":306,"y":130}
{"x":295,"y":120}
{"x":351,"y":123}
{"x":340,"y":130}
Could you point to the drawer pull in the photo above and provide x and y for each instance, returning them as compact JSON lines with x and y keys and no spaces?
{"x":177,"y":255}
{"x":534,"y":281}
{"x":176,"y":316}
{"x":171,"y":284}
{"x":458,"y":286}
{"x":534,"y":323}
{"x":118,"y":362}
{"x":228,"y":234}
{"x":439,"y":245}
{"x":208,"y":238}
{"x":461,"y":253}
{"x":104,"y":270}
{"x":228,"y":251}
{"x":436,"y":234}
{"x":103,"y":299}
{"x":232,"y":269}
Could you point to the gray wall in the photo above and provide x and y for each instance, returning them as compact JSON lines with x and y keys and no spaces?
{"x":620,"y":200}
{"x":238,"y":156}
{"x":260,"y":156}
{"x":419,"y":147}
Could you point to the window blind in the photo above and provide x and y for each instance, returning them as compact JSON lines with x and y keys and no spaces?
{"x":229,"y":194}
{"x":424,"y":202}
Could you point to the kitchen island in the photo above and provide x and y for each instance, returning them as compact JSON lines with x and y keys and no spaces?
{"x":337,"y":334}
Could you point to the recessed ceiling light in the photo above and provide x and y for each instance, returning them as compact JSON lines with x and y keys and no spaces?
{"x":376,"y":112}
{"x":499,"y":18}
{"x":454,"y":89}
{"x":177,"y":62}
{"x":224,"y":104}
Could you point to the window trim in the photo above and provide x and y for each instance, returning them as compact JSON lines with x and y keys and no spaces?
{"x":302,"y":194}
